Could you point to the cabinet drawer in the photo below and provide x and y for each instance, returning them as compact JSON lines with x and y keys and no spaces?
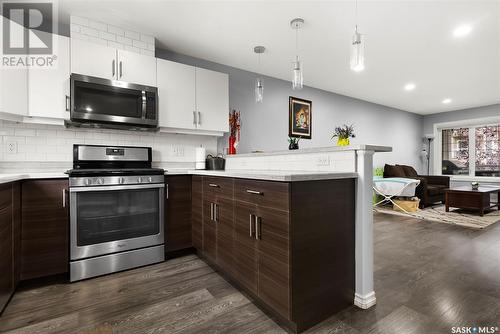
{"x":262,"y":193}
{"x":218,"y":187}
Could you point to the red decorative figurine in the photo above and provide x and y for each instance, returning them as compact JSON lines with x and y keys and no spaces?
{"x":234,"y":128}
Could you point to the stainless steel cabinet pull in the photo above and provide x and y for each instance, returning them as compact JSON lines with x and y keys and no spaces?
{"x":194,"y":118}
{"x":212,"y":211}
{"x":250,"y":225}
{"x":121,"y":71}
{"x":255,"y":192}
{"x":113,"y":67}
{"x":199,"y":118}
{"x":216,"y":213}
{"x":213,"y":185}
{"x":64,"y":198}
{"x":67,"y":103}
{"x":166,"y":190}
{"x":258,"y":227}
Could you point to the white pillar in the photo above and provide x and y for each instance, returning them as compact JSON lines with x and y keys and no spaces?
{"x":365,"y":295}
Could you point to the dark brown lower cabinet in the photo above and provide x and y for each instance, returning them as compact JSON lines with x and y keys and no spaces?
{"x":10,"y":226}
{"x":197,"y":212}
{"x":177,"y":212}
{"x":45,"y":228}
{"x":289,"y":245}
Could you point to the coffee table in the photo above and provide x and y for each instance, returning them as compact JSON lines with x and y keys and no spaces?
{"x":464,"y":197}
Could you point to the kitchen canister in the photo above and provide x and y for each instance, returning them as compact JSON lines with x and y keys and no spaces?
{"x":200,"y":158}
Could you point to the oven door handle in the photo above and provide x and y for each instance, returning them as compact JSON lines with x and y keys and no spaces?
{"x":124,"y":187}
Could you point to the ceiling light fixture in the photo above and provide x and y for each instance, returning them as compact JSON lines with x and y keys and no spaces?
{"x":357,"y":47}
{"x":297,"y":75}
{"x":462,"y":30}
{"x":410,"y":86}
{"x":259,"y":82}
{"x":446,"y":101}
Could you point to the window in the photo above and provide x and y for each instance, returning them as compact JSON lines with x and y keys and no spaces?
{"x":487,"y":151}
{"x":471,"y":151}
{"x":455,"y":151}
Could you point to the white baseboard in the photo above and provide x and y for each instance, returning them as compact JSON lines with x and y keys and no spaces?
{"x":365,"y":301}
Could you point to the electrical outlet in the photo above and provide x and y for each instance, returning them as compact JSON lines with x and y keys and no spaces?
{"x":178,"y":151}
{"x":323,"y":161}
{"x":11,"y":147}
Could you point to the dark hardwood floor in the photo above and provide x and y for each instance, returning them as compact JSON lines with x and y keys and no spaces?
{"x":428,"y":278}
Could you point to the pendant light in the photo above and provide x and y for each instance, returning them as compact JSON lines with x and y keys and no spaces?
{"x":297,"y":75}
{"x":357,"y":47}
{"x":259,"y":82}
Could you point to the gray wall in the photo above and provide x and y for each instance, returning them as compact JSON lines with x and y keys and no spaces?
{"x":265,"y":126}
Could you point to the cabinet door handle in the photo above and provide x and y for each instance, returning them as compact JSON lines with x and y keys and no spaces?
{"x":216,"y":213}
{"x":213,"y":185}
{"x":166,"y":191}
{"x":64,"y":198}
{"x":250,"y":225}
{"x":67,"y":103}
{"x":255,"y":192}
{"x":212,"y":211}
{"x":121,"y":69}
{"x":113,"y":68}
{"x":194,"y":118}
{"x":199,"y":118}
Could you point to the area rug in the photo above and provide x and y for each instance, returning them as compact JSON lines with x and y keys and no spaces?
{"x":461,"y":217}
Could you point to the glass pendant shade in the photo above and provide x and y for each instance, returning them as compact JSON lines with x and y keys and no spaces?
{"x":357,"y":52}
{"x":297,"y":80}
{"x":259,"y":90}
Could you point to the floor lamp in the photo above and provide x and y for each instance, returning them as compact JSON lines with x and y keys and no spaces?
{"x":429,"y":139}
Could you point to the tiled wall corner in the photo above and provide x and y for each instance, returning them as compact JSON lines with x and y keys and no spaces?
{"x":112,"y":36}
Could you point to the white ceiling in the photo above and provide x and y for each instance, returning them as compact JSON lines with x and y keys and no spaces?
{"x":406,"y":41}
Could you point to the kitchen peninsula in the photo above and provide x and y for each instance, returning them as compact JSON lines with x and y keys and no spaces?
{"x":285,"y":227}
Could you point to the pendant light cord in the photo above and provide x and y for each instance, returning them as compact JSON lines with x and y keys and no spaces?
{"x":297,"y":43}
{"x":356,"y":14}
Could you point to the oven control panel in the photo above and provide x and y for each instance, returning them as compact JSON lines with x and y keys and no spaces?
{"x":93,"y":181}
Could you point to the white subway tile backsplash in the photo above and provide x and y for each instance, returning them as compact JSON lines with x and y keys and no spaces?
{"x":139,"y":44}
{"x":91,"y":32}
{"x":132,"y":34}
{"x":116,"y":30}
{"x":124,"y":40}
{"x":104,"y":34}
{"x":75,"y":27}
{"x":25,"y":132}
{"x":107,"y":36}
{"x":98,"y":25}
{"x":147,"y":39}
{"x":83,"y":21}
{"x":116,"y":45}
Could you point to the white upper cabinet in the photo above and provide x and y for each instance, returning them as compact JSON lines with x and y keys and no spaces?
{"x":109,"y":63}
{"x":212,"y":100}
{"x":49,"y":89}
{"x":136,"y":68}
{"x":192,"y":100}
{"x":176,"y":95}
{"x":93,"y":59}
{"x":13,"y":87}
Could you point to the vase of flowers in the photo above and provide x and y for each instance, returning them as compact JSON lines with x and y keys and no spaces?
{"x":293,"y":143}
{"x":343,"y":134}
{"x":234,"y":131}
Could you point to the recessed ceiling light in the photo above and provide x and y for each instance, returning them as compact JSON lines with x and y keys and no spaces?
{"x":446,"y":101}
{"x":462,"y":30}
{"x":410,"y":86}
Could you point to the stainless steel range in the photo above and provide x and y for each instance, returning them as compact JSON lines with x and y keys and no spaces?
{"x":116,"y":210}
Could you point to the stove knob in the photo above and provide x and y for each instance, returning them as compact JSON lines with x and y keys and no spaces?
{"x":100,"y":180}
{"x":150,"y":179}
{"x":88,"y":182}
{"x":121,"y":180}
{"x":139,"y":180}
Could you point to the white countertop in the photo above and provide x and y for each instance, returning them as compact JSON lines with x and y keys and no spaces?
{"x":270,"y":175}
{"x":375,"y":148}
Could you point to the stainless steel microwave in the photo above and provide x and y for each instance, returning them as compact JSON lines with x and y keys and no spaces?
{"x":97,"y":102}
